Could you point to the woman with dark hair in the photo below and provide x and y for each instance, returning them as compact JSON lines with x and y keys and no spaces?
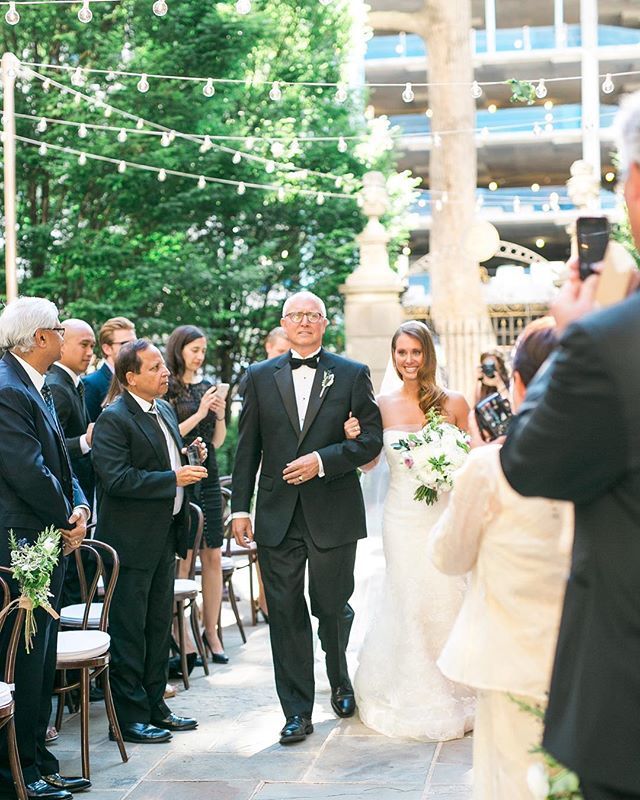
{"x":517,"y":549}
{"x":399,"y":689}
{"x":493,"y":376}
{"x":200,"y":407}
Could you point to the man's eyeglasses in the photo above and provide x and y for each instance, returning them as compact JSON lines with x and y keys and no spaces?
{"x":59,"y":330}
{"x":298,"y":316}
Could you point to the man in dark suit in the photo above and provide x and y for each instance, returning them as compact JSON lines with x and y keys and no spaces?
{"x":112,"y":335}
{"x":309,"y":508}
{"x":577,"y":438}
{"x":144,"y":514}
{"x":68,"y":395}
{"x":37,"y":489}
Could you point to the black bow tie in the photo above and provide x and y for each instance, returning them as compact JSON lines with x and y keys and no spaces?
{"x":312,"y":362}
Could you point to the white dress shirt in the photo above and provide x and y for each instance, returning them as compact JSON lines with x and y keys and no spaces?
{"x":84,"y":444}
{"x":172,"y":447}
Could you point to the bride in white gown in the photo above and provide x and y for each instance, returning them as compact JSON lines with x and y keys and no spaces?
{"x":399,"y":689}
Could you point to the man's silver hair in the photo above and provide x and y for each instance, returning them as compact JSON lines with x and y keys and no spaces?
{"x":21,"y":319}
{"x":627,"y":127}
{"x":307,"y":295}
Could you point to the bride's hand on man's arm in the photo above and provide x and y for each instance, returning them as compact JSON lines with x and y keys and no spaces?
{"x":351,"y":431}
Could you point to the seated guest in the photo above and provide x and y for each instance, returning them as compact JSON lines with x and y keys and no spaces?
{"x":37,"y":489}
{"x":112,"y":335}
{"x":144,"y":514}
{"x":505,"y":636}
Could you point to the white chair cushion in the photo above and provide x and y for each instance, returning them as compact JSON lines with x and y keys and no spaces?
{"x":73,"y":615}
{"x":6,"y":695}
{"x":228,"y":563}
{"x":184,"y":585}
{"x":76,"y":645}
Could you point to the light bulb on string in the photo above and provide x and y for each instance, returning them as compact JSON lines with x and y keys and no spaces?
{"x":77,"y":99}
{"x":237,"y":158}
{"x":122,"y":136}
{"x":82,"y":159}
{"x":607,"y":85}
{"x":140,"y":124}
{"x":201,"y":182}
{"x":537,"y":129}
{"x":548,"y":127}
{"x":401,"y":47}
{"x":206,"y":144}
{"x":46,"y":85}
{"x":275,"y":93}
{"x":295,"y":148}
{"x":77,"y":77}
{"x":407,"y":95}
{"x":249,"y":143}
{"x":342,"y":145}
{"x":162,"y":175}
{"x":320,"y":199}
{"x":85,"y":14}
{"x":269,"y":167}
{"x":12,"y":17}
{"x":172,"y":136}
{"x":341,"y":93}
{"x":277,"y":149}
{"x":281,"y":194}
{"x":165,"y":141}
{"x":241,"y":188}
{"x":143,"y":84}
{"x":41,"y":127}
{"x":160,"y":8}
{"x":111,"y":75}
{"x":42,"y":149}
{"x":208,"y":90}
{"x":516,"y":205}
{"x":82,"y":131}
{"x":243,"y":7}
{"x":108,"y":111}
{"x":476,"y":90}
{"x":122,"y":166}
{"x":541,"y":89}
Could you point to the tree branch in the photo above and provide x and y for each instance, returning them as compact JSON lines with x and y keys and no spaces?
{"x":395,"y":21}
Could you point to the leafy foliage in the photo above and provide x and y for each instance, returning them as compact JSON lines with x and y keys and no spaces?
{"x":522,"y":91}
{"x":101,"y":243}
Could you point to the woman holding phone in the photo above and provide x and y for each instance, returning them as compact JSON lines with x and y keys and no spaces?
{"x":200,"y":407}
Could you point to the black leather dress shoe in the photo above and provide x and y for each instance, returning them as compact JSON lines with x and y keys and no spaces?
{"x":175,"y":723}
{"x":296,"y":729}
{"x":142,"y":733}
{"x":343,"y":701}
{"x":69,"y":784}
{"x":41,"y":788}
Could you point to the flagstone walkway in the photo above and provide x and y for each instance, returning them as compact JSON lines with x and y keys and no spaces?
{"x":234,"y":753}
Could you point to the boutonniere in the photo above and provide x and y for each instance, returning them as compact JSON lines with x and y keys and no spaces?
{"x":327,"y":380}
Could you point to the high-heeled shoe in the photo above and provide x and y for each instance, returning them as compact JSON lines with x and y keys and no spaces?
{"x":175,"y":665}
{"x":264,"y":615}
{"x":216,"y":658}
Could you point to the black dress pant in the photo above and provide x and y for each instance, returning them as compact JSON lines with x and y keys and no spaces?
{"x":140,"y":627}
{"x":593,"y":791}
{"x":34,"y":678}
{"x":330,"y":587}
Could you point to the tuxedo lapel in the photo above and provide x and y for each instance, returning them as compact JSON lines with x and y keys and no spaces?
{"x":284,"y":382}
{"x":318,"y":395}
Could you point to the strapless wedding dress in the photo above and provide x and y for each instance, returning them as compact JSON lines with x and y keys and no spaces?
{"x":399,"y":689}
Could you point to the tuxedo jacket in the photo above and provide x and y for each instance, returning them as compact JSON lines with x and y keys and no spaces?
{"x":135,"y":484}
{"x":74,"y":418}
{"x":269,"y":432}
{"x":37,"y":486}
{"x":577,"y":438}
{"x":96,"y":386}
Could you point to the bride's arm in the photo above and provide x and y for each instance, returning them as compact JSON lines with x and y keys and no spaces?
{"x":458,"y":409}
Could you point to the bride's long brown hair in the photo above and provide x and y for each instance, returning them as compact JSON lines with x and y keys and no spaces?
{"x":430,"y":395}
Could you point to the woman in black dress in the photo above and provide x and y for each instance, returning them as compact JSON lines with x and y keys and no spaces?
{"x":200,"y":409}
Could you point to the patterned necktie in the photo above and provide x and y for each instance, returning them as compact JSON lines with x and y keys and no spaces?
{"x":80,"y":389}
{"x":48,"y":399}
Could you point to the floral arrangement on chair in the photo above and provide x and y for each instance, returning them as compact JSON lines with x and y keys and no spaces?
{"x":32,"y":566}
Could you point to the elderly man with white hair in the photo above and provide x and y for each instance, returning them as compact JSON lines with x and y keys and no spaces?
{"x":37,"y":489}
{"x":577,"y":438}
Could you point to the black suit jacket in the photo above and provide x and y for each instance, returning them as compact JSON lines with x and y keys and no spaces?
{"x":96,"y":386}
{"x":37,"y":487}
{"x":269,"y":431}
{"x":74,"y":418}
{"x":135,"y":484}
{"x":577,"y":438}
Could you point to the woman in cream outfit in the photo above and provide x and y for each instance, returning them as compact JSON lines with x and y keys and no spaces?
{"x":503,"y":641}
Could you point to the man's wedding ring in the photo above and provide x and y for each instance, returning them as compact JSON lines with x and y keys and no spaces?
{"x":300,"y":479}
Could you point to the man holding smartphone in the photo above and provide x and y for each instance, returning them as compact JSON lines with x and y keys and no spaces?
{"x":576,"y":438}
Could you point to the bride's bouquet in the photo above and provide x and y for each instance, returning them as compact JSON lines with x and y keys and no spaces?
{"x":432,"y":455}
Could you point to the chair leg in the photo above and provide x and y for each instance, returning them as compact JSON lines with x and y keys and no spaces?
{"x":195,"y":629}
{"x":14,"y":762}
{"x":111,"y":714}
{"x":254,"y":602}
{"x":181,"y":643}
{"x":84,"y":721}
{"x":234,"y":606}
{"x":60,"y":709}
{"x":219,"y":626}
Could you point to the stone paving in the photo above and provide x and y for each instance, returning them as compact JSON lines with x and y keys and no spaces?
{"x":234,"y":754}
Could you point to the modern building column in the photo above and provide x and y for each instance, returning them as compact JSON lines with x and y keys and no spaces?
{"x":590,"y":84}
{"x":558,"y":23}
{"x":490,"y":24}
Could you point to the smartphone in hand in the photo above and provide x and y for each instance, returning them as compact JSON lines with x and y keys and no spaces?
{"x":592,"y":234}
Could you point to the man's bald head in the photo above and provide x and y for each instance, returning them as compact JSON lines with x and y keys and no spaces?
{"x":77,"y":348}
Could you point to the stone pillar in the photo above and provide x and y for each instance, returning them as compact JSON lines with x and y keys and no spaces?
{"x":372,"y":311}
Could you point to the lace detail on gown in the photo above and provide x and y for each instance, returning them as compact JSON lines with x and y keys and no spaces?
{"x":399,"y":689}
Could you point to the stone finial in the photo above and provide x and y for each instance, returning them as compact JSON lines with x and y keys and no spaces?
{"x":583,"y":187}
{"x":375,"y":200}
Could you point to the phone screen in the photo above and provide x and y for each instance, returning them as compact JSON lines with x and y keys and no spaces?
{"x":593,"y":237}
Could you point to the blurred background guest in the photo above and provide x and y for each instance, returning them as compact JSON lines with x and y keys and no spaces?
{"x":112,"y":335}
{"x":504,"y":638}
{"x":493,"y":376}
{"x":200,"y":407}
{"x":277,"y":342}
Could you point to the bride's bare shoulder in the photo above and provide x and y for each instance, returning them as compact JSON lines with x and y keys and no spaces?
{"x":388,"y":399}
{"x":456,"y":407}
